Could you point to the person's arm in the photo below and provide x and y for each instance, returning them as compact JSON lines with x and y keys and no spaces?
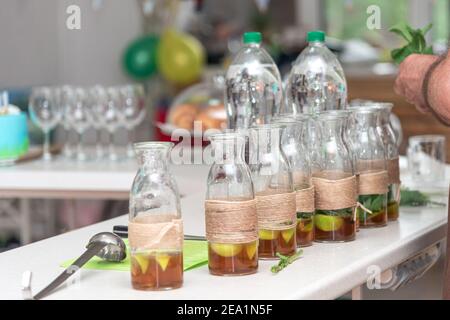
{"x":423,"y":80}
{"x":436,"y":88}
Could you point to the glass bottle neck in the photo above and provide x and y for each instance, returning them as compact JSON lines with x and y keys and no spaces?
{"x":228,"y":150}
{"x":153,"y":157}
{"x":333,"y":130}
{"x":384,"y":117}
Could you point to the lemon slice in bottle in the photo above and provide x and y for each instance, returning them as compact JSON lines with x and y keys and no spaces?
{"x":306,"y":227}
{"x":268,"y":234}
{"x":328,"y":223}
{"x":251,"y":249}
{"x":163,"y":260}
{"x":287,"y":234}
{"x":143,"y":261}
{"x":226,"y":250}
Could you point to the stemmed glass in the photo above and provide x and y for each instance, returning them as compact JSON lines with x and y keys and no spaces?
{"x":64,"y":96}
{"x":80,"y":114}
{"x":132,"y":109}
{"x":112,"y":119}
{"x":45,"y":113}
{"x":99,"y":105}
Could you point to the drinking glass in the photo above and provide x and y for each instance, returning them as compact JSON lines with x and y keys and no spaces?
{"x":63,"y":97}
{"x":112,"y":119}
{"x":79,"y":113}
{"x":132,"y":110}
{"x":426,"y":158}
{"x":99,"y":105}
{"x":45,"y":113}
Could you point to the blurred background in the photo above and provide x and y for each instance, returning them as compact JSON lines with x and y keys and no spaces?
{"x":178,"y":51}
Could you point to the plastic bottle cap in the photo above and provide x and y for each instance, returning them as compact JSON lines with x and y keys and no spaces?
{"x":316,"y":35}
{"x":252,"y":37}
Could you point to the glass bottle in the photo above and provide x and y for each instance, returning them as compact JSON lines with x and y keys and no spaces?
{"x":392,"y":157}
{"x":230,"y":209}
{"x":334,"y":180}
{"x":253,"y":85}
{"x":317,"y":82}
{"x":294,"y":147}
{"x":370,"y":168}
{"x":155,"y":224}
{"x":274,"y":191}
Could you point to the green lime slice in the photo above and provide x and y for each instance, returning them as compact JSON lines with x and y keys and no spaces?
{"x":328,"y":223}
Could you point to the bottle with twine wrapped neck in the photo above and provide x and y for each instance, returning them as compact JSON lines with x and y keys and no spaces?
{"x":386,"y":132}
{"x":296,"y":151}
{"x":230,"y":210}
{"x":274,"y":191}
{"x":370,"y":168}
{"x":155,"y":228}
{"x":334,"y":180}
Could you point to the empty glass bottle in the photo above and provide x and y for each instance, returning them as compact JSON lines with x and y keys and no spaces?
{"x":370,"y":167}
{"x":294,"y":146}
{"x":253,"y":85}
{"x":274,"y":191}
{"x":334,"y":180}
{"x":230,"y":210}
{"x":155,"y":224}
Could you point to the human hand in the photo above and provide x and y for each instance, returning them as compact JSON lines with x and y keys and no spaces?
{"x":410,"y":79}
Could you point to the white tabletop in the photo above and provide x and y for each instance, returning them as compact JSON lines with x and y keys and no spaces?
{"x":326,"y":271}
{"x":104,"y":179}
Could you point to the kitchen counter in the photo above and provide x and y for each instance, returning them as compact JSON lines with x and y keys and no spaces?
{"x":326,"y":271}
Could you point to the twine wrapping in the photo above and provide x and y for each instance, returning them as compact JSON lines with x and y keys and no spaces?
{"x":276,"y":211}
{"x":304,"y":200}
{"x":231,"y":221}
{"x":393,"y":169}
{"x":334,"y":190}
{"x":373,"y":183}
{"x":156,"y":232}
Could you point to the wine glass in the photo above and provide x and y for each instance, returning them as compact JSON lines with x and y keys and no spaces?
{"x":79,"y":113}
{"x":132,"y":109}
{"x":99,"y":105}
{"x":45,"y":113}
{"x":63,"y":97}
{"x":112,"y":119}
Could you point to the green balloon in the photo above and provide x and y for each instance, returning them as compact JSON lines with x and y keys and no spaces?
{"x":139,"y":59}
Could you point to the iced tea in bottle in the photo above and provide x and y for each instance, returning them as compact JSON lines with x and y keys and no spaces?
{"x":155,"y":224}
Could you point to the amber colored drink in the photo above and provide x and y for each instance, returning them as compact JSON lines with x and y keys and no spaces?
{"x":377,"y":204}
{"x":232,"y":259}
{"x":272,"y":242}
{"x":157,"y":270}
{"x":393,"y":205}
{"x":334,"y":225}
{"x":305,"y":229}
{"x":393,"y":211}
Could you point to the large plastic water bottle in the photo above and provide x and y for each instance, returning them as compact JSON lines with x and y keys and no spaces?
{"x":253,"y":85}
{"x":317,"y":81}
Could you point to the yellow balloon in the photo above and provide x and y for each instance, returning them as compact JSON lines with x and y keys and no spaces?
{"x":180,"y":57}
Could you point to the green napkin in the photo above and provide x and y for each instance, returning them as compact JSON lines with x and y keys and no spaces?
{"x":195,"y":254}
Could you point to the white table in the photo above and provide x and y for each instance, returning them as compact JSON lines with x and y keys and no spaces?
{"x":326,"y":271}
{"x":69,"y":179}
